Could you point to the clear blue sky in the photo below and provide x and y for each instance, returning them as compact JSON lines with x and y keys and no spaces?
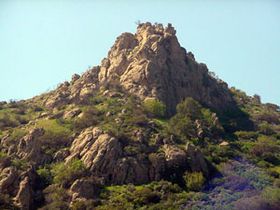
{"x":42,"y":43}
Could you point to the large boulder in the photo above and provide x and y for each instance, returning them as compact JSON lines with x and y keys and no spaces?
{"x":29,"y":146}
{"x":84,"y":188}
{"x":19,"y":185}
{"x":98,"y":150}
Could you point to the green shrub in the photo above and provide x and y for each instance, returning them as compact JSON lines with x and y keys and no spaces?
{"x":248,"y":135}
{"x":183,"y":123}
{"x":3,"y":155}
{"x":155,"y":195}
{"x":46,"y":175}
{"x":266,"y":129}
{"x":20,"y":164}
{"x":64,"y":174}
{"x":18,"y":133}
{"x":84,"y":204}
{"x":146,"y":196}
{"x":56,"y":135}
{"x":182,"y":126}
{"x":88,"y":118}
{"x":38,"y":109}
{"x":272,"y":196}
{"x":267,"y":149}
{"x":218,"y":154}
{"x":54,"y":129}
{"x":190,"y":108}
{"x":165,"y":187}
{"x":155,"y":107}
{"x":194,"y":181}
{"x":57,"y":198}
{"x":7,"y":121}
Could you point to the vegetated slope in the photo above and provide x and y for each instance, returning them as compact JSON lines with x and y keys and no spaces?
{"x":149,"y":128}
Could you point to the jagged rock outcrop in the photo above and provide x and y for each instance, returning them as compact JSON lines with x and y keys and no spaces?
{"x":152,"y":63}
{"x":77,"y":91}
{"x":23,"y":198}
{"x":149,"y":63}
{"x":28,"y":147}
{"x":7,"y":178}
{"x":103,"y":155}
{"x":98,"y":150}
{"x":84,"y":188}
{"x":19,"y":185}
{"x":71,"y":113}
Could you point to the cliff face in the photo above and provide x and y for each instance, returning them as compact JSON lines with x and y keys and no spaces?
{"x":150,"y":63}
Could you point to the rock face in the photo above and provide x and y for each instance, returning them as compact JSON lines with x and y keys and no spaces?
{"x":152,"y":63}
{"x":19,"y":185}
{"x":149,"y":63}
{"x":103,"y":155}
{"x":84,"y":188}
{"x":23,"y":197}
{"x":98,"y":150}
{"x":8,"y":176}
{"x":77,"y":91}
{"x":27,"y":148}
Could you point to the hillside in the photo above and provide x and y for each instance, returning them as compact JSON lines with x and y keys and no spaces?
{"x":150,"y":128}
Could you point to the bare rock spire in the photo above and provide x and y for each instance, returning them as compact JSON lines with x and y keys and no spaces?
{"x":150,"y":63}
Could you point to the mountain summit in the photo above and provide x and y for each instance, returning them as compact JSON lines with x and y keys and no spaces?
{"x":150,"y":64}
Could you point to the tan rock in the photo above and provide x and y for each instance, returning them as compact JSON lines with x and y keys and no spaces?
{"x":72,"y":113}
{"x":75,"y":77}
{"x":224,"y":143}
{"x":98,"y":150}
{"x":23,"y":198}
{"x":102,"y":154}
{"x":7,"y":178}
{"x":84,"y":188}
{"x":150,"y":63}
{"x":61,"y":155}
{"x":29,"y":147}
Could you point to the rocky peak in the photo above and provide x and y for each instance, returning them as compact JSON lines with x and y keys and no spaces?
{"x":149,"y":63}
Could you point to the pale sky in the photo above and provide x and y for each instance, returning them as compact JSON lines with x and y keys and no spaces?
{"x":44,"y":42}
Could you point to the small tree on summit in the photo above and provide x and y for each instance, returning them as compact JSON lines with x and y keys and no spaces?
{"x":138,"y":22}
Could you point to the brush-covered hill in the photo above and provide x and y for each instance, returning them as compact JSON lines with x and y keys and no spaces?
{"x":150,"y":128}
